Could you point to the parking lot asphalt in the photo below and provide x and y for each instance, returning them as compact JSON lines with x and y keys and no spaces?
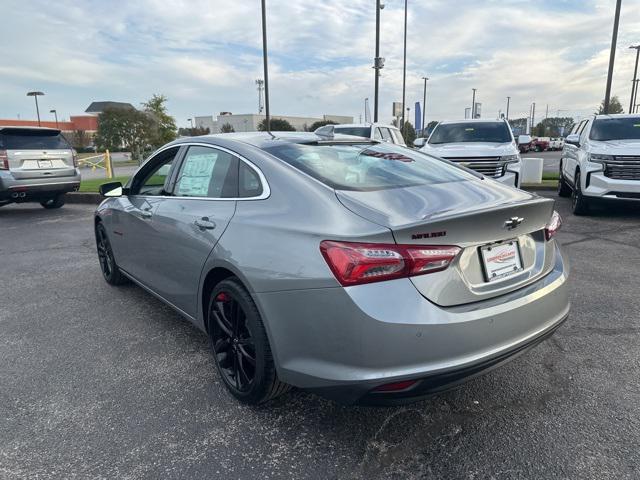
{"x":105,"y":382}
{"x":551,"y":160}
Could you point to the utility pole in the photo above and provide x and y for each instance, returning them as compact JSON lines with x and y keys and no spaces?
{"x":533,"y":115}
{"x":265,"y":63}
{"x":424,"y":106}
{"x":473,"y":104}
{"x":378,"y":63}
{"x":612,"y":57}
{"x":635,"y":76}
{"x":260,"y":84}
{"x":635,"y":96}
{"x":508,"y":101}
{"x":546,"y":115}
{"x":404,"y":63}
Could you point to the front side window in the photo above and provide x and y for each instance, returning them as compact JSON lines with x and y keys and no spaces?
{"x":207,"y":172}
{"x":604,"y":129}
{"x":152,"y":180}
{"x":464,"y":132}
{"x":367,"y":167}
{"x":386,"y":135}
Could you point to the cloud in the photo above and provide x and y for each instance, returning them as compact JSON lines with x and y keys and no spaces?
{"x":205,"y":54}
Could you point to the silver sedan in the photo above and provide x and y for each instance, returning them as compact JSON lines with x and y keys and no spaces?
{"x":363,"y":271}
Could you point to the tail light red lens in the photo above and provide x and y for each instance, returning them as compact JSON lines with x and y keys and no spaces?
{"x":395,"y":387}
{"x":358,"y":263}
{"x":75,"y":158}
{"x":553,"y":226}
{"x":4,"y":160}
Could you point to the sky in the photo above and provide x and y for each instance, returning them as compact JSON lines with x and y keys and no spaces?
{"x":205,"y":55}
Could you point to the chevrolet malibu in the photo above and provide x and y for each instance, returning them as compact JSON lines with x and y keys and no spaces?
{"x":360,"y":270}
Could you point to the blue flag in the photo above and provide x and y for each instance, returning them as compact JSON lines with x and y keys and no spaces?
{"x":418,"y":122}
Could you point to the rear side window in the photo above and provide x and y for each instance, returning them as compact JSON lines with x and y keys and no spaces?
{"x":367,"y":167}
{"x":250,"y":185}
{"x":207,"y":172}
{"x":386,"y":135}
{"x":22,"y":139}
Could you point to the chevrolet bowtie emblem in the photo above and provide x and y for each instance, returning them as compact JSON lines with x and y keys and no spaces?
{"x":513,"y":222}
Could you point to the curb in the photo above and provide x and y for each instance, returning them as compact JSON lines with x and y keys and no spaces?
{"x":83,"y":197}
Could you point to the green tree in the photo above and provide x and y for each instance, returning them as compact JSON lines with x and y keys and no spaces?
{"x":321,"y":123}
{"x":430,"y":126}
{"x":80,"y":139}
{"x":193,"y":132}
{"x":409,"y":133}
{"x":125,"y":128}
{"x":277,"y":125}
{"x":227,"y":128}
{"x":614,"y":106}
{"x":165,"y":124}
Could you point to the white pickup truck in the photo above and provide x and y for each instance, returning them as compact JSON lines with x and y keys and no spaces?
{"x":486,"y":146}
{"x":601,"y":160}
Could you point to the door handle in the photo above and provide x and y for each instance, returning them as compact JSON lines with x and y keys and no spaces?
{"x":205,"y":224}
{"x":145,"y":214}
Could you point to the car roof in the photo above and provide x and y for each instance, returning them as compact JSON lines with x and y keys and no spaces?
{"x":617,"y":115}
{"x":20,"y":127}
{"x":351,"y":125}
{"x":265,"y":139}
{"x":472,"y":120}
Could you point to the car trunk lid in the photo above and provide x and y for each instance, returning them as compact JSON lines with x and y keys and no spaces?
{"x":471,"y":214}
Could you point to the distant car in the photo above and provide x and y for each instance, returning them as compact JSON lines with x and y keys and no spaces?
{"x":372,"y":131}
{"x":358,"y":269}
{"x":540,"y":144}
{"x":36,"y":165}
{"x":524,"y":143}
{"x":555,"y":143}
{"x":601,"y":160}
{"x":486,"y":146}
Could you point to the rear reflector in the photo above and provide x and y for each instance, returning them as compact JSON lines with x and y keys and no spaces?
{"x":396,"y":386}
{"x":553,"y":226}
{"x":357,"y":263}
{"x":4,"y":160}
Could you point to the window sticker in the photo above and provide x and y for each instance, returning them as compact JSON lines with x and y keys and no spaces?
{"x":196,"y":175}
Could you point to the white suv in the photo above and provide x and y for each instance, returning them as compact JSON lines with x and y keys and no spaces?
{"x":374,"y":131}
{"x":486,"y":146}
{"x":601,"y":160}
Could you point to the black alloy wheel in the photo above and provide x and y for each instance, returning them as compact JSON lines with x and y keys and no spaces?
{"x":108,"y":265}
{"x":240,"y":346}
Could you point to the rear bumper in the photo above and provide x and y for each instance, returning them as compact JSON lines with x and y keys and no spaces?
{"x":344,"y":342}
{"x":25,"y":189}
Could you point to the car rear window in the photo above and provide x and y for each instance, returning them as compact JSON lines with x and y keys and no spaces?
{"x":356,"y":131}
{"x":21,"y":139}
{"x":615,"y":129}
{"x":492,"y":132}
{"x":367,"y":167}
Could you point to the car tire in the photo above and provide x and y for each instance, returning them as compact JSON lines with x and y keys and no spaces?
{"x":110,"y":270}
{"x":564,"y":190}
{"x":579,"y":202}
{"x":240,"y":345}
{"x":53,"y":202}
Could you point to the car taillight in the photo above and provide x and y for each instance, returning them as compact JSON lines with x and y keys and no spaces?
{"x":357,"y":263}
{"x":74,"y":154}
{"x":4,"y":160}
{"x":553,"y":226}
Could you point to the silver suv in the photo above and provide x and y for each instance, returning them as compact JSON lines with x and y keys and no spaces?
{"x":36,"y":165}
{"x":601,"y":160}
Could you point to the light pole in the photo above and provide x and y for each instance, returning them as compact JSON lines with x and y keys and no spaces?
{"x":508,"y":101}
{"x":378,"y":62}
{"x":260,"y":84}
{"x":265,"y":61}
{"x":635,"y":76}
{"x":55,"y":114}
{"x":404,"y":62}
{"x":635,"y":96}
{"x":612,"y":57}
{"x":35,"y":96}
{"x":473,"y":104}
{"x":424,"y":106}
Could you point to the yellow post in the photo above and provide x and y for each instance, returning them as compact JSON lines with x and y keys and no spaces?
{"x":107,"y":164}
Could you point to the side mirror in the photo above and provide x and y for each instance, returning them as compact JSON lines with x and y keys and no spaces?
{"x":573,"y":139}
{"x":111,"y":189}
{"x":420,"y":142}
